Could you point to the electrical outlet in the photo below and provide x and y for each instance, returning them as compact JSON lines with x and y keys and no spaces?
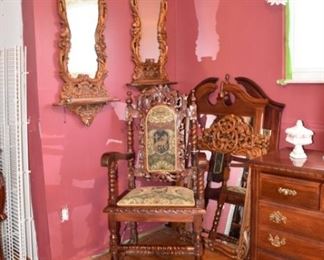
{"x":64,"y":214}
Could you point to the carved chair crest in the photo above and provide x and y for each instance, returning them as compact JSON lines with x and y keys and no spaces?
{"x":162,"y":117}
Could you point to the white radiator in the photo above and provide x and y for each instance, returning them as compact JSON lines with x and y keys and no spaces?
{"x":18,"y":230}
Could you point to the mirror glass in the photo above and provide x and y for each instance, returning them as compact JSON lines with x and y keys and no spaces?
{"x":82,"y":55}
{"x":149,"y":12}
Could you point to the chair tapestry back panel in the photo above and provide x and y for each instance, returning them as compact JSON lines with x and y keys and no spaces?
{"x":163,"y":118}
{"x":161,"y":139}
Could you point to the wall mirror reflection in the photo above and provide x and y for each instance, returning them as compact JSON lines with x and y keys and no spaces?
{"x":82,"y":54}
{"x":149,"y":41}
{"x":82,"y":57}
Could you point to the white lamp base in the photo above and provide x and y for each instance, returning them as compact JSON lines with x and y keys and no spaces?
{"x":298,"y":152}
{"x":298,"y":162}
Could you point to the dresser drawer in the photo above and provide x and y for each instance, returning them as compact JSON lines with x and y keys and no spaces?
{"x":290,"y":191}
{"x":300,"y":222}
{"x":289,"y":245}
{"x":262,"y":255}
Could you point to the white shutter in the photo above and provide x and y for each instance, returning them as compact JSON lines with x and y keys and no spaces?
{"x":18,"y":230}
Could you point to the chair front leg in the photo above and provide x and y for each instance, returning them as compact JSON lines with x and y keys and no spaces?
{"x":114,"y":228}
{"x":220,"y":205}
{"x":197,"y":228}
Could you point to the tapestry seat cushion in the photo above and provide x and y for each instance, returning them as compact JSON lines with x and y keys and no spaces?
{"x":159,"y":196}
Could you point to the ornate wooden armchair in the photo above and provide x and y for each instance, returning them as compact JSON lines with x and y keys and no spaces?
{"x":166,"y":152}
{"x":233,"y":138}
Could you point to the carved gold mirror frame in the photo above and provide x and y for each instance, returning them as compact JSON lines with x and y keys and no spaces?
{"x":149,"y":71}
{"x":82,"y":94}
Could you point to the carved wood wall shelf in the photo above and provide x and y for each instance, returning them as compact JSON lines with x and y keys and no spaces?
{"x":150,"y":83}
{"x":86,"y":108}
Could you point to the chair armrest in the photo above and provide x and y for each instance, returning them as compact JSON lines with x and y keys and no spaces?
{"x":110,"y":160}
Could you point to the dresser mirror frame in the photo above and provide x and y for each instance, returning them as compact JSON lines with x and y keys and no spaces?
{"x":147,"y":71}
{"x":82,"y":94}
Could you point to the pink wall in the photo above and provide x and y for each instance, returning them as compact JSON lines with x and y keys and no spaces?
{"x":64,"y":155}
{"x":250,"y":44}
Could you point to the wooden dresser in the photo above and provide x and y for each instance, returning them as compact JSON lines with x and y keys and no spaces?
{"x":287,"y":207}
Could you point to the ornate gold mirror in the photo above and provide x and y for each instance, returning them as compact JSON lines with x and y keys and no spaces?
{"x":82,"y":58}
{"x":149,"y":41}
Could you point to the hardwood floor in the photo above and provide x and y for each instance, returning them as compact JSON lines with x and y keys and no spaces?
{"x":163,"y":236}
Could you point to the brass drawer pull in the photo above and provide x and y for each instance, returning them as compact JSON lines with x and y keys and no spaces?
{"x":276,"y":241}
{"x":277,"y":217}
{"x":287,"y":192}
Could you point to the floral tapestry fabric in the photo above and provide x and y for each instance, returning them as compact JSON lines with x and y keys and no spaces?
{"x":159,"y":196}
{"x":161,"y":139}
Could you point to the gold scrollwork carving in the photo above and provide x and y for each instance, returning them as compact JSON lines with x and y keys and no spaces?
{"x":231,"y":134}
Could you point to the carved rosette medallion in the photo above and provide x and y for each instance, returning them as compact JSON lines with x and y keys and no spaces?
{"x":231,"y":134}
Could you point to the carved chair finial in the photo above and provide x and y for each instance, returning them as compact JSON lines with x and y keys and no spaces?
{"x":227,"y":77}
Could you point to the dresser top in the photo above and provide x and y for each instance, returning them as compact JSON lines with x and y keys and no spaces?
{"x":312,"y":168}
